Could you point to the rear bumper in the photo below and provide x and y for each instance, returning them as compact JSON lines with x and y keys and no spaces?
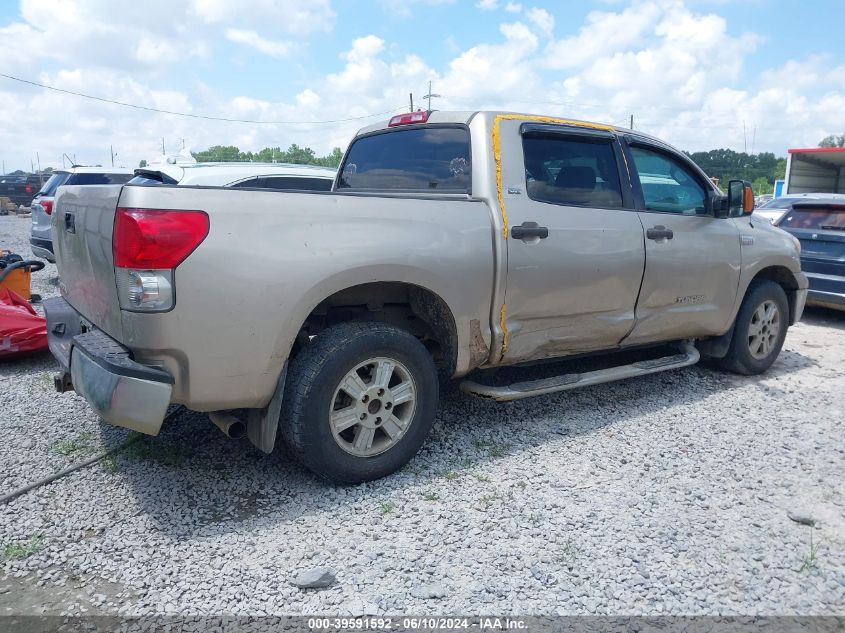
{"x":42,"y":248}
{"x":827,"y":290}
{"x":121,"y":391}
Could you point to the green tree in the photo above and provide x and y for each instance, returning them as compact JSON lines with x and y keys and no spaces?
{"x":217,"y":153}
{"x":293,"y":154}
{"x":332,"y":160}
{"x":726,"y":164}
{"x":762,"y":185}
{"x":833,"y":140}
{"x":143,"y":163}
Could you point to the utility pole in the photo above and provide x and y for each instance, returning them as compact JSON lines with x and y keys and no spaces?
{"x":744,"y":138}
{"x":111,"y":151}
{"x":411,"y":97}
{"x":4,"y":167}
{"x":37,"y":156}
{"x":632,"y":121}
{"x":430,"y":95}
{"x":31,"y":166}
{"x":162,"y":146}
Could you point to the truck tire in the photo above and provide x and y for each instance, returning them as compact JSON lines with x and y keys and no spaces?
{"x":759,"y":329}
{"x":359,"y":401}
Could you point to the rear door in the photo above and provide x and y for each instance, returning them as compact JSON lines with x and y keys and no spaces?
{"x":692,"y":258}
{"x":820,"y":227}
{"x":575,"y":243}
{"x":82,"y":226}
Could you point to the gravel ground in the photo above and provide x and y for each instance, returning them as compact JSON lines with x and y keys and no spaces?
{"x":667,"y":494}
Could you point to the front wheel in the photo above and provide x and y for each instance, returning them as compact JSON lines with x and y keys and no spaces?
{"x":760,"y":329}
{"x":359,"y":401}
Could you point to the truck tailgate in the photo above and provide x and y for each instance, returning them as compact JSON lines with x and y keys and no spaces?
{"x":82,"y":225}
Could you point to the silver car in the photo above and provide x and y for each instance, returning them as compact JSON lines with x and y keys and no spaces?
{"x":41,"y":240}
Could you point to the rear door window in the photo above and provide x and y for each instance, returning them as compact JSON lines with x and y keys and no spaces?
{"x":820,"y":218}
{"x":424,"y":159}
{"x":98,"y":179}
{"x":572,"y":172}
{"x":282,"y":183}
{"x":297,"y":182}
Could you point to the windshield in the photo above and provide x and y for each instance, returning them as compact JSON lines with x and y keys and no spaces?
{"x":57,"y":179}
{"x":429,"y":159}
{"x":779,"y":203}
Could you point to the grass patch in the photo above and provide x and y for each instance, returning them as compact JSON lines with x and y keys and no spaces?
{"x":482,"y":478}
{"x":431,"y":496}
{"x":109,"y":464}
{"x":568,"y":553}
{"x":147,"y":449}
{"x":493,"y":449}
{"x":81,"y":444}
{"x":487,"y":501}
{"x":450,"y":475}
{"x":33,"y":544}
{"x":45,"y":382}
{"x":810,"y":561}
{"x":385,"y":507}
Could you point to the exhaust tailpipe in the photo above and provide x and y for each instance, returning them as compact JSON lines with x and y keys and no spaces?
{"x":229,"y":424}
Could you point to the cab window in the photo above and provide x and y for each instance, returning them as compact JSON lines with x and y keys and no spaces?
{"x":571,"y":171}
{"x":668,"y":186}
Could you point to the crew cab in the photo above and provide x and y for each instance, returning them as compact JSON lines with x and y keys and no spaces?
{"x":450,"y":241}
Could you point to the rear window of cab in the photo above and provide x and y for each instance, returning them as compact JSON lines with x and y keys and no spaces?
{"x":422,"y":159}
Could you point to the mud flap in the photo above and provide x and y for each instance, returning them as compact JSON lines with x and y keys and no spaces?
{"x":716,"y":347}
{"x":263,"y":424}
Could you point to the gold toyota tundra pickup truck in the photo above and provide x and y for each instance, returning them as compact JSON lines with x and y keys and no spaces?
{"x":450,"y":241}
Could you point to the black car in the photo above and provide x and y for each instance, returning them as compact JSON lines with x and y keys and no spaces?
{"x":21,"y":189}
{"x":819,"y":224}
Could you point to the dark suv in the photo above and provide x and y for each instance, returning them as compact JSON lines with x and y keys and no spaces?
{"x":21,"y":189}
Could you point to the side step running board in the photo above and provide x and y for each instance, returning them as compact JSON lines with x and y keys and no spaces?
{"x":519,"y":390}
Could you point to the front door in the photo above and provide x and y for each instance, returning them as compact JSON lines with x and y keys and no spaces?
{"x":575,"y":243}
{"x":692,"y":258}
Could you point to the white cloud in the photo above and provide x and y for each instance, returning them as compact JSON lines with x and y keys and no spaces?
{"x":404,"y":8}
{"x":292,"y":16}
{"x":513,"y":7}
{"x":250,"y":38}
{"x":542,"y":20}
{"x":678,"y":70}
{"x":487,"y":5}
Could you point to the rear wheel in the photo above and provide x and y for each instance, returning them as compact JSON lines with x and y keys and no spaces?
{"x":359,"y":401}
{"x":760,"y":329}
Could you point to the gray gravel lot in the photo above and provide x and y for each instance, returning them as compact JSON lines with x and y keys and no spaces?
{"x":663,"y":494}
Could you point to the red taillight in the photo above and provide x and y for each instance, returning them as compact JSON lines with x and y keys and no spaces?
{"x":28,"y":188}
{"x":47,"y":205}
{"x":156,"y":239}
{"x":408,"y":118}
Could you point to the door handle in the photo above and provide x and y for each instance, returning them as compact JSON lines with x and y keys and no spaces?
{"x":528,"y":230}
{"x":659,"y":232}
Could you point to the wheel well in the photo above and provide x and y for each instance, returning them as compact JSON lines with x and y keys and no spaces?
{"x":412,"y":308}
{"x":786,"y":280}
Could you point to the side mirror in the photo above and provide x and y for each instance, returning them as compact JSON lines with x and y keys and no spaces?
{"x":740,"y":198}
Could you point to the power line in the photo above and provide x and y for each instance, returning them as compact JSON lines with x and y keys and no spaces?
{"x":195,"y":116}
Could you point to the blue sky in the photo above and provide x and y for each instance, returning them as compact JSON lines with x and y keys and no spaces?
{"x":690,"y":71}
